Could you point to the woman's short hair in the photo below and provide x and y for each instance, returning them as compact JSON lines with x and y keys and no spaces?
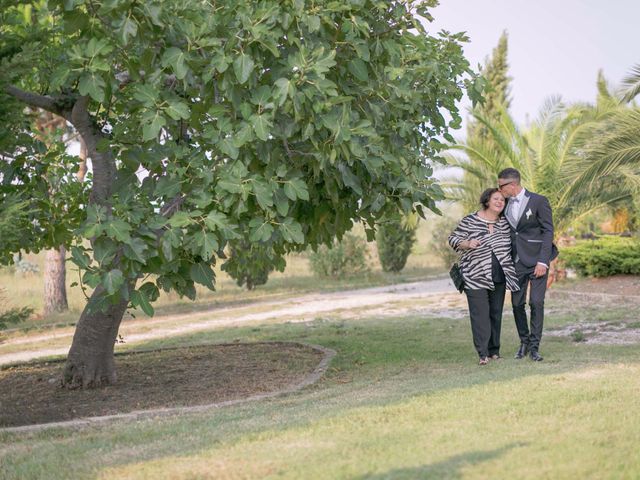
{"x":486,"y":196}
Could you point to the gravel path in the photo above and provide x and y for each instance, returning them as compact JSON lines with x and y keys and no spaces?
{"x":296,"y":309}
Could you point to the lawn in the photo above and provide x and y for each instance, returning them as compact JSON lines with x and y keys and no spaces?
{"x":403,"y":398}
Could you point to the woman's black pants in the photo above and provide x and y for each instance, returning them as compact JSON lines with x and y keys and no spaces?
{"x":485,"y":310}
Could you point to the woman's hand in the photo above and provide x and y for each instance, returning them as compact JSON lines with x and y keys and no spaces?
{"x":471,"y":244}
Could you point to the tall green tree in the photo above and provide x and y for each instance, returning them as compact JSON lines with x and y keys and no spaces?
{"x":497,"y":93}
{"x":479,"y":139}
{"x":284,"y":121}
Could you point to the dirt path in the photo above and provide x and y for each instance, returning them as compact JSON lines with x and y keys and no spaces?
{"x":439,"y":291}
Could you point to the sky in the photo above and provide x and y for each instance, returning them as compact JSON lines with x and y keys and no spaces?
{"x":556,"y":47}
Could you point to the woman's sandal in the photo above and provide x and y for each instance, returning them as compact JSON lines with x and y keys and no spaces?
{"x":495,"y":356}
{"x":483,"y":361}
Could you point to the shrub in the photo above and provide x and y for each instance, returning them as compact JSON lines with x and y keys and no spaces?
{"x":603,"y":257}
{"x":439,"y":243}
{"x":24,"y":267}
{"x":250,"y":264}
{"x":346,"y":258}
{"x":394,"y":239}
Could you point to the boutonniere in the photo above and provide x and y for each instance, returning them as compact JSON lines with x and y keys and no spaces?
{"x":529,"y":213}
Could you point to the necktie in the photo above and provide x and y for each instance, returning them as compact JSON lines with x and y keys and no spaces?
{"x":514,"y":205}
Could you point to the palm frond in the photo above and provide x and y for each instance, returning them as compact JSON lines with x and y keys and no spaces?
{"x":631,"y":84}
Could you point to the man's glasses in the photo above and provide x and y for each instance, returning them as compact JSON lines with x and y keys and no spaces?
{"x":501,"y":186}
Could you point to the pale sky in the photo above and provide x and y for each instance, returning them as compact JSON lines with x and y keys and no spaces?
{"x":556,"y":47}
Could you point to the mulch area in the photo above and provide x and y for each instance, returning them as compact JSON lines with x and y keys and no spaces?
{"x":187,"y":376}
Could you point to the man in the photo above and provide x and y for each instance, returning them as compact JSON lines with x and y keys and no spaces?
{"x":529,"y":215}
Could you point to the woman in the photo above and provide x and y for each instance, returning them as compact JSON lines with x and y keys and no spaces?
{"x":484,"y":241}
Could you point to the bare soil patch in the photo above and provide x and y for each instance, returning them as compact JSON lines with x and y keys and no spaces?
{"x":625,"y":285}
{"x":188,"y":376}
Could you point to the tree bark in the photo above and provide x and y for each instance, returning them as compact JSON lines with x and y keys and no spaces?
{"x":90,"y":362}
{"x":55,"y":275}
{"x":55,"y":272}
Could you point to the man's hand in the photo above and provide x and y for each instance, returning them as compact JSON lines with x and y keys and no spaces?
{"x":540,"y":270}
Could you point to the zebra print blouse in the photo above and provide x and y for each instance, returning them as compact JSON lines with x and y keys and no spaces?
{"x":476,"y":263}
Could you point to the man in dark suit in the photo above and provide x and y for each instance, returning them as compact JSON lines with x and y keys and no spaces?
{"x":529,"y":215}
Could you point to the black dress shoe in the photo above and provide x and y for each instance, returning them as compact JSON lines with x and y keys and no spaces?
{"x":535,"y":356}
{"x":522,"y":351}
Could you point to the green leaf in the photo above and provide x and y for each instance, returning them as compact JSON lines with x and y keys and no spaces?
{"x":242,"y":67}
{"x":292,"y":231}
{"x":216,"y":220}
{"x":228,"y":147}
{"x":139,"y":299}
{"x":180,"y":219}
{"x":262,"y":126}
{"x":150,"y":290}
{"x":104,"y":250}
{"x":296,"y":188}
{"x":80,"y":258}
{"x":127,"y":30}
{"x":118,"y":229}
{"x":313,"y":22}
{"x":177,"y":110}
{"x":175,"y":58}
{"x":203,"y":274}
{"x":151,"y":130}
{"x":146,"y":94}
{"x":282,"y":203}
{"x":93,"y":85}
{"x":230,"y":185}
{"x":261,"y":230}
{"x":349,"y":179}
{"x":263,"y":193}
{"x":112,"y":281}
{"x":284,"y":88}
{"x":359,"y":69}
{"x":135,"y":250}
{"x":97,"y":46}
{"x":209,"y":244}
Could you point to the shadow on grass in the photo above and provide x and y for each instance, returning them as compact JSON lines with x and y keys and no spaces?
{"x":449,"y":468}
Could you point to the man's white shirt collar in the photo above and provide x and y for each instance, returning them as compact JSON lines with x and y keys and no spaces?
{"x":520,"y":196}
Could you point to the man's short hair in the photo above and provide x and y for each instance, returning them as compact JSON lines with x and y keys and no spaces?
{"x":510,"y":174}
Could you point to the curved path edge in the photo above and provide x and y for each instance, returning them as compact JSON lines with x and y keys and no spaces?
{"x":312,"y":378}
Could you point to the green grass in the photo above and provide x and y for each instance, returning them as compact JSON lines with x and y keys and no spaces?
{"x":404,"y":398}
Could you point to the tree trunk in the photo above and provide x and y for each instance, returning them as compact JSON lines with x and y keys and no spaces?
{"x":55,"y":272}
{"x":55,"y":275}
{"x":90,"y":362}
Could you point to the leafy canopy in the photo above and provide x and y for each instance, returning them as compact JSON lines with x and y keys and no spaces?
{"x":283,"y":121}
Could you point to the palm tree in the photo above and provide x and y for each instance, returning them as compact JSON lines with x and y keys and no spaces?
{"x":557,"y":156}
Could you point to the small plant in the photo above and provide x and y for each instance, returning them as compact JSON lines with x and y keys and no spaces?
{"x":346,"y":258}
{"x":578,"y":336}
{"x":395,"y":238}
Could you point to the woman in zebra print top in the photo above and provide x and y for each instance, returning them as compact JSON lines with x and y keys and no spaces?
{"x":483,"y":239}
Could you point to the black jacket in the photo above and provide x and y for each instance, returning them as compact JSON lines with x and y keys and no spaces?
{"x":532,"y":236}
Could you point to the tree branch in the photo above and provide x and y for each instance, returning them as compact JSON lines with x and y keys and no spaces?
{"x":44,"y":102}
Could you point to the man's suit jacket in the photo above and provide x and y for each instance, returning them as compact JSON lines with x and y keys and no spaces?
{"x":532,"y":235}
